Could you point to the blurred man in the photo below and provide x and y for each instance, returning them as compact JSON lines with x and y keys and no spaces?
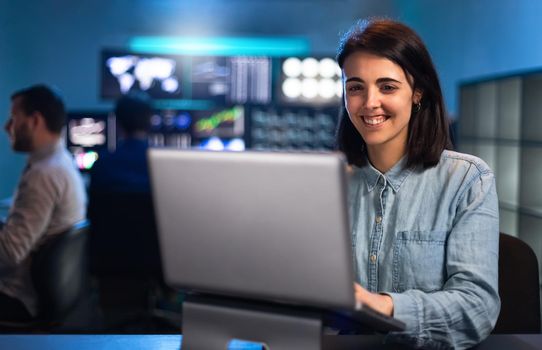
{"x":49,"y":199}
{"x":126,"y":169}
{"x":122,"y":214}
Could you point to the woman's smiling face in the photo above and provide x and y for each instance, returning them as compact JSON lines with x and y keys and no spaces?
{"x":379,"y":99}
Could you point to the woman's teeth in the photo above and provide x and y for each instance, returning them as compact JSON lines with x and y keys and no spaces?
{"x":374,"y":120}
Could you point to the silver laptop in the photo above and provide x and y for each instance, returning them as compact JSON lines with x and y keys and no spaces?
{"x":261,"y":226}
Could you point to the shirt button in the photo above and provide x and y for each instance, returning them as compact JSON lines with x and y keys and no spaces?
{"x":378,"y":219}
{"x":373,"y":258}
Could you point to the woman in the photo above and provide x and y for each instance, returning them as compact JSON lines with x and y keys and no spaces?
{"x":425,"y":219}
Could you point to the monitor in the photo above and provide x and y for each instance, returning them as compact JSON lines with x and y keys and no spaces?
{"x":218,"y":80}
{"x":309,"y":81}
{"x":87,"y":134}
{"x":171,"y":128}
{"x":221,"y":122}
{"x":291,"y":127}
{"x":158,"y":75}
{"x":235,"y":79}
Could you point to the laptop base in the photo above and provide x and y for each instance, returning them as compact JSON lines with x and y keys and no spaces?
{"x":210,"y":325}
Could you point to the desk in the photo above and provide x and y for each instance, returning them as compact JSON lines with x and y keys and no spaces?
{"x":172,"y":342}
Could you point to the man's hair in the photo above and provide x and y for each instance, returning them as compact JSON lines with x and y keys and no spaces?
{"x":428,"y":133}
{"x":133,"y":112}
{"x":45,"y":100}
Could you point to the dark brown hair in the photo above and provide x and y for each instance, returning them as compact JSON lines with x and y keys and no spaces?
{"x":47,"y":101}
{"x":134,"y":112}
{"x":428,"y":133}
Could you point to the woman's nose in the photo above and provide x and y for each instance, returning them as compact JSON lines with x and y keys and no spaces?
{"x":372,"y":99}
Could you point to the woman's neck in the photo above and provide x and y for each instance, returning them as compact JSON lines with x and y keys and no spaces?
{"x":384,"y":157}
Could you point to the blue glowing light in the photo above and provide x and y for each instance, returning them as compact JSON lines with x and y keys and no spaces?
{"x":293,"y":46}
{"x":183,"y":121}
{"x":183,"y":104}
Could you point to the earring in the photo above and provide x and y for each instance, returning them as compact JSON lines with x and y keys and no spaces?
{"x":417,"y":107}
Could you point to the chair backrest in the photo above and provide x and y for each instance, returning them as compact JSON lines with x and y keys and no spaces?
{"x":59,"y":272}
{"x":518,"y":287}
{"x":123,"y":240}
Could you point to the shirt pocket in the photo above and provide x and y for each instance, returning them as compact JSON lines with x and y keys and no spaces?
{"x":419,"y":260}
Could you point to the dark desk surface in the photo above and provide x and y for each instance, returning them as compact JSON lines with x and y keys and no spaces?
{"x":172,"y":342}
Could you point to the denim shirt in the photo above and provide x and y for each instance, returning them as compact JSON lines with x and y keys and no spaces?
{"x":430,"y":239}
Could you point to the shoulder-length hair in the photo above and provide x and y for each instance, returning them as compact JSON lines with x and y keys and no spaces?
{"x":428,"y":133}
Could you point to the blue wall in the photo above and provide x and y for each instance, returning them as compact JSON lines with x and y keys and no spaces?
{"x":10,"y":163}
{"x":469,"y":39}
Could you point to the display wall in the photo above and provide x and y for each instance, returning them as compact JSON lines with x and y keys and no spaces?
{"x":500,"y":121}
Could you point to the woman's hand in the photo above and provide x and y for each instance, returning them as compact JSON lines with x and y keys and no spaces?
{"x":380,"y":302}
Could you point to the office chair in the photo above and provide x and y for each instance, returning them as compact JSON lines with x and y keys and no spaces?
{"x":60,"y":277}
{"x":519,"y":288}
{"x":125,"y":262}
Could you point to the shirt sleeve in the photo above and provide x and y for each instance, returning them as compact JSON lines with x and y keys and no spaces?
{"x":465,"y":311}
{"x":29,"y":216}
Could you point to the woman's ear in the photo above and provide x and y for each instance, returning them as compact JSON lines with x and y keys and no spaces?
{"x":417,"y":96}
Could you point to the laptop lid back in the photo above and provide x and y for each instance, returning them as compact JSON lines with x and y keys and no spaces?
{"x":264,"y":226}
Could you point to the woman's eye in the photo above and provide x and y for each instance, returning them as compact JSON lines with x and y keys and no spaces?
{"x":354,"y":88}
{"x":388,"y":88}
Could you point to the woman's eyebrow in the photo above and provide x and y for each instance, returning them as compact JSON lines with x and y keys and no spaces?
{"x":387,"y":80}
{"x":379,"y":80}
{"x":356,"y":79}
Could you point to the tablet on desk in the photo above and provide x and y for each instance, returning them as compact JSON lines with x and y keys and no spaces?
{"x":269,"y":227}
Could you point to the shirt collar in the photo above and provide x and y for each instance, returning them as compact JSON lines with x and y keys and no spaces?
{"x":395,"y":176}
